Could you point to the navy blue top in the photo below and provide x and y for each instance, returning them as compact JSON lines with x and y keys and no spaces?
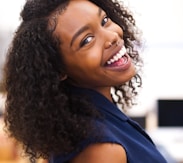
{"x":120,"y":129}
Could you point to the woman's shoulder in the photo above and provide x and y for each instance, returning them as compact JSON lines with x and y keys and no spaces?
{"x":101,"y":152}
{"x":98,"y":144}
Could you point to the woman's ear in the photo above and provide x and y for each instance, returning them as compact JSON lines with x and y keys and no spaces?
{"x":63,"y":77}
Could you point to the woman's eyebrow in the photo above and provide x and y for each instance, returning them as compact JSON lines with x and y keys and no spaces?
{"x":99,"y":11}
{"x":84,"y":28}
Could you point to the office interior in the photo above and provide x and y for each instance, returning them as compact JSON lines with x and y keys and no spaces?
{"x":161,"y":24}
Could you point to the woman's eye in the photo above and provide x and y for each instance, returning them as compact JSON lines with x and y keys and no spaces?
{"x":105,"y":20}
{"x":86,"y":41}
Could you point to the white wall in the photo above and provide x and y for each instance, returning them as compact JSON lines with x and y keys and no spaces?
{"x":9,"y":20}
{"x":162,"y":25}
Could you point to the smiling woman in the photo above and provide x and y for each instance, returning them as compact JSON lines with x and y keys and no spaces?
{"x":59,"y":73}
{"x":87,"y":40}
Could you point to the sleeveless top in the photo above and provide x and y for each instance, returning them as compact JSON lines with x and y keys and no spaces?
{"x":116,"y":128}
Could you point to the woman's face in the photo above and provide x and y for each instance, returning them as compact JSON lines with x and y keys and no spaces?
{"x":92,"y":47}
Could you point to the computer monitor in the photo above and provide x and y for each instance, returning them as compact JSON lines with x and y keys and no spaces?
{"x":170,"y":112}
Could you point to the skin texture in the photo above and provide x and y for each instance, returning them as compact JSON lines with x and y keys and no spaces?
{"x":97,"y":153}
{"x":42,"y":65}
{"x":86,"y":56}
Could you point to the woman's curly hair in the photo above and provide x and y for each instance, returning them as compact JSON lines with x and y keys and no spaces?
{"x":40,"y":111}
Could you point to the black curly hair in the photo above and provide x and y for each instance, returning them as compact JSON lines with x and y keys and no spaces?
{"x":40,"y":111}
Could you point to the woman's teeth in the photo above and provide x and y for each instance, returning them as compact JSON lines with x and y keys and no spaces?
{"x":117,"y":56}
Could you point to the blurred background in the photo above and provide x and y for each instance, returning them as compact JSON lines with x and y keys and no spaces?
{"x":162,"y":93}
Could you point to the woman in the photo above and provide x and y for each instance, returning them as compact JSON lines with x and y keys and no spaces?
{"x":65,"y":59}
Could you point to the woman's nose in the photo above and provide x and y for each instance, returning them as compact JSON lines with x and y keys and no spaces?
{"x":111,"y":40}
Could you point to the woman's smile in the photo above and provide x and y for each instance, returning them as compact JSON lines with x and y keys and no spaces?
{"x":119,"y":61}
{"x":116,"y":57}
